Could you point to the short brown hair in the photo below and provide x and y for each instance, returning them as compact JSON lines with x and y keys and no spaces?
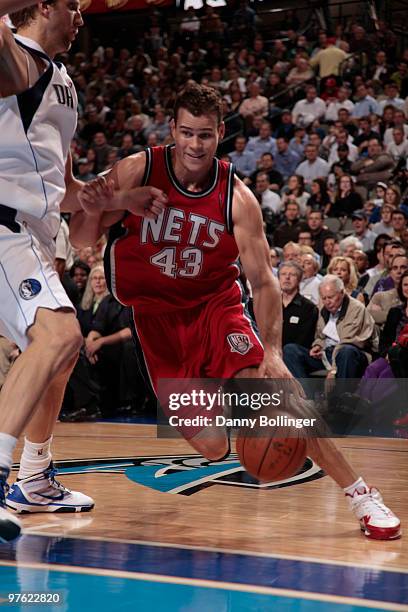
{"x":23,"y":18}
{"x":199,"y":100}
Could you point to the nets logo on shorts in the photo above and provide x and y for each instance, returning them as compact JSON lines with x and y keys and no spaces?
{"x":29,"y":288}
{"x":239,"y":343}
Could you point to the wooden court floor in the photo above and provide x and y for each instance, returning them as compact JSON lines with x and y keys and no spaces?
{"x":176,"y":503}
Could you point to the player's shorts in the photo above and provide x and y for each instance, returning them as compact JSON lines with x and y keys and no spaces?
{"x":216,"y":339}
{"x":28,"y":281}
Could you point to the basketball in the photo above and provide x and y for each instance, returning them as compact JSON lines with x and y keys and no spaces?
{"x":274,"y":454}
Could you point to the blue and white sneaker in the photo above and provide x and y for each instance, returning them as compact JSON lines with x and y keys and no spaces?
{"x":42,"y":493}
{"x":10,"y":527}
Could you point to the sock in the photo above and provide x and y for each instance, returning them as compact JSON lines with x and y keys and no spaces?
{"x":35,"y":459}
{"x":7,"y":445}
{"x":359,"y":484}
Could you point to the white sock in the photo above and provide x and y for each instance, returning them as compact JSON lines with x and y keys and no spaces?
{"x":35,"y":459}
{"x":360,"y":483}
{"x":7,"y":445}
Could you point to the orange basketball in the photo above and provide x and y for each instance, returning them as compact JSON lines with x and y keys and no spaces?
{"x":268,"y":457}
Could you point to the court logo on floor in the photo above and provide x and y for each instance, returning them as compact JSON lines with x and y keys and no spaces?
{"x":185,"y":474}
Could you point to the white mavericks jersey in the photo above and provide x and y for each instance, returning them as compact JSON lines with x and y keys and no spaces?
{"x":36,"y":128}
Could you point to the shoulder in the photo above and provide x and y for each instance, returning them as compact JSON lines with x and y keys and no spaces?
{"x":244,"y":203}
{"x":129,"y":172}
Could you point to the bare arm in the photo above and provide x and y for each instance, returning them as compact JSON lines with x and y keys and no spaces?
{"x":86,"y":227}
{"x":254,"y":255}
{"x":14,"y":64}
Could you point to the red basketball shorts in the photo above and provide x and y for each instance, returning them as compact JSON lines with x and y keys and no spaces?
{"x":216,"y":339}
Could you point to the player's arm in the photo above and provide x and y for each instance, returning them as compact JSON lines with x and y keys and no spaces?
{"x":14,"y":62}
{"x":254,"y":255}
{"x":104,"y":201}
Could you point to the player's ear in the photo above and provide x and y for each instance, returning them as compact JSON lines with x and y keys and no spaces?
{"x":173,"y":127}
{"x":221,"y":130}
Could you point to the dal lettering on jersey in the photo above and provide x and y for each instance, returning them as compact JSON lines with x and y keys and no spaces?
{"x":168,"y":227}
{"x":198,"y":4}
{"x":64,"y":95}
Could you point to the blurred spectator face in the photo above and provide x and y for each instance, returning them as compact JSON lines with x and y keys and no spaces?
{"x":292,"y":252}
{"x":342,"y":95}
{"x":374,"y":148}
{"x":292,"y":210}
{"x":381,"y":58}
{"x":315,"y":220}
{"x":315,"y":188}
{"x":344,"y":115}
{"x":343,"y":152}
{"x":361,"y":92}
{"x":80,"y":276}
{"x":342,"y":137}
{"x":98,"y":282}
{"x":328,"y":245}
{"x":342,"y":270}
{"x":262,"y":182}
{"x":388,"y":114}
{"x":398,"y":135}
{"x":404,"y":287}
{"x":254,"y":90}
{"x":302,"y":42}
{"x":288,"y":279}
{"x":398,"y":221}
{"x":84,"y":168}
{"x":345,"y":184}
{"x":399,"y":118}
{"x":398,"y":267}
{"x":266,"y":162}
{"x":322,"y":40}
{"x":282,"y":145}
{"x":240,"y":143}
{"x":360,"y":226}
{"x":389,"y":253}
{"x":404,"y":237}
{"x":309,"y":265}
{"x":314,"y":139}
{"x":274,"y":79}
{"x":286,"y":118}
{"x":361,"y":261}
{"x":127,"y":141}
{"x":311,"y":153}
{"x":311,"y":94}
{"x":305,"y":239}
{"x":293,"y":181}
{"x":274,"y":258}
{"x":386,"y":212}
{"x":99,"y":139}
{"x":265,"y":130}
{"x":152,"y":140}
{"x":391,"y":197}
{"x":331,"y":297}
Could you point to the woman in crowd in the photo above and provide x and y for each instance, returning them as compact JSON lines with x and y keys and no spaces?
{"x":94,"y":293}
{"x":347,"y":200}
{"x":392,"y":196}
{"x":319,"y":200}
{"x":331,"y":249}
{"x":344,"y":268}
{"x":296,"y":187}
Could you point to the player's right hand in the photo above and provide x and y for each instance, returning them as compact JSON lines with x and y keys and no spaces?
{"x":147,"y":202}
{"x":96,"y":196}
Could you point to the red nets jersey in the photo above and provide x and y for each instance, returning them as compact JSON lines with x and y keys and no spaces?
{"x":184,"y":257}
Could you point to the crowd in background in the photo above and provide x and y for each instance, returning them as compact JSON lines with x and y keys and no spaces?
{"x":316,"y":127}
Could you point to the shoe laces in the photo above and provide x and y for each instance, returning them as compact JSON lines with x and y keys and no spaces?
{"x":50,"y":473}
{"x":370,"y":502}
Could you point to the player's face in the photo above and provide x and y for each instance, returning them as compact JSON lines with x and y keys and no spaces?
{"x":64,"y":20}
{"x":196,"y":140}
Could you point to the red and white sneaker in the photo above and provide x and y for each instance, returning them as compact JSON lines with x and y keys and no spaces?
{"x":376,"y":520}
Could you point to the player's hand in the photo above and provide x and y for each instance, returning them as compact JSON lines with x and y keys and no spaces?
{"x":147,"y":202}
{"x":97,"y":195}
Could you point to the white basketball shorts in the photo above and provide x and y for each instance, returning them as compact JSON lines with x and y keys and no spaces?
{"x":28,"y":281}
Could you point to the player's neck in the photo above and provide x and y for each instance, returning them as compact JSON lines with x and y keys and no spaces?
{"x":36,"y":33}
{"x":192,"y":180}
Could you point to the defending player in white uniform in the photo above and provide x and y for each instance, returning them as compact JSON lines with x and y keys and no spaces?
{"x":38,"y":114}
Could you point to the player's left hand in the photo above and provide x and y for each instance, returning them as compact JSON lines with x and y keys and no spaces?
{"x":96,"y":196}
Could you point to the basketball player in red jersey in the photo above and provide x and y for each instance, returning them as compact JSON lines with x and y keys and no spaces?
{"x":173,"y":261}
